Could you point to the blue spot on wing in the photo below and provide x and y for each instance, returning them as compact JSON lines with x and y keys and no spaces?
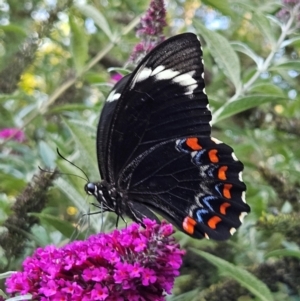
{"x":180,"y":146}
{"x":197,"y":157}
{"x":217,"y":187}
{"x":206,"y":200}
{"x":200,"y":213}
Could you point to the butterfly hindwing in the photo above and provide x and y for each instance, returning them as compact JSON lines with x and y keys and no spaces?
{"x":193,"y":182}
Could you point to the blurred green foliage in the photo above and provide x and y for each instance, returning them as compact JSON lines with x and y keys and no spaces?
{"x":54,"y":60}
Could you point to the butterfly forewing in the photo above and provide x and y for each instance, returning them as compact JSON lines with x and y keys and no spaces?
{"x":163,"y":99}
{"x":155,"y":150}
{"x":103,"y":132}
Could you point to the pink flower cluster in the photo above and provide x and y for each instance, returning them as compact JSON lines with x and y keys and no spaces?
{"x":132,"y":264}
{"x":17,"y":134}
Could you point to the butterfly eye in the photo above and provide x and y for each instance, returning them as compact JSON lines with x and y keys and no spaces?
{"x":90,"y":188}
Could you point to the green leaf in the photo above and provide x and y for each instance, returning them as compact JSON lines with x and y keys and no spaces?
{"x":241,"y":47}
{"x":77,"y":199}
{"x":189,"y":295}
{"x":290,"y":65}
{"x":260,"y":19}
{"x":222,"y":52}
{"x":265,"y":26}
{"x":86,"y":146}
{"x":267,"y":88}
{"x":222,"y":6}
{"x":93,"y":13}
{"x":79,"y":43}
{"x":283,"y":252}
{"x":62,"y":226}
{"x":68,"y":108}
{"x":242,"y":104}
{"x":47,"y":154}
{"x":10,"y":184}
{"x":243,"y":277}
{"x":11,"y":36}
{"x":6,"y":274}
{"x":74,"y":196}
{"x":122,"y":71}
{"x":94,"y":77}
{"x":288,"y":42}
{"x":20,"y":298}
{"x":11,"y":29}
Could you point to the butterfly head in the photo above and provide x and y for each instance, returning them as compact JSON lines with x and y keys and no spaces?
{"x":103,"y":193}
{"x":91,"y":188}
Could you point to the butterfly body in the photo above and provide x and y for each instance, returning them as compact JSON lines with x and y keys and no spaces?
{"x":155,"y":150}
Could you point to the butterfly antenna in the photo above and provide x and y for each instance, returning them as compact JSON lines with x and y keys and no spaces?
{"x":68,"y":174}
{"x":87,"y":178}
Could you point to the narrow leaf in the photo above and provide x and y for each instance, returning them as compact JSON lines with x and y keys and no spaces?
{"x":86,"y":146}
{"x":288,"y":42}
{"x":242,"y":104}
{"x":79,"y":43}
{"x":74,"y":196}
{"x":222,"y":6}
{"x":47,"y":154}
{"x":260,"y":18}
{"x":93,"y":13}
{"x":241,"y":47}
{"x":68,"y":108}
{"x":20,"y":298}
{"x":274,"y":19}
{"x":6,"y":274}
{"x":222,"y":52}
{"x":246,"y":279}
{"x":290,"y":65}
{"x":264,"y":25}
{"x":283,"y":252}
{"x":267,"y":88}
{"x":122,"y":71}
{"x":62,"y":226}
{"x":77,"y":200}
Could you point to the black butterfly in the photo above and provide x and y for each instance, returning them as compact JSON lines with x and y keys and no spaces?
{"x":155,"y":151}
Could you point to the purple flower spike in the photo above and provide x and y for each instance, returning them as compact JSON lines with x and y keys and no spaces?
{"x":126,"y":265}
{"x":17,"y":134}
{"x":285,"y":12}
{"x":150,"y":30}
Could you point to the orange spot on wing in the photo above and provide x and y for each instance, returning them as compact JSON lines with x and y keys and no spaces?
{"x":212,"y":154}
{"x":193,"y":144}
{"x":189,"y":225}
{"x":223,"y":208}
{"x":222,"y":172}
{"x":212,"y":222}
{"x":226,"y":191}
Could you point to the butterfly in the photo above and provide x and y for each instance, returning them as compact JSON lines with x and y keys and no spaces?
{"x":155,"y":150}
